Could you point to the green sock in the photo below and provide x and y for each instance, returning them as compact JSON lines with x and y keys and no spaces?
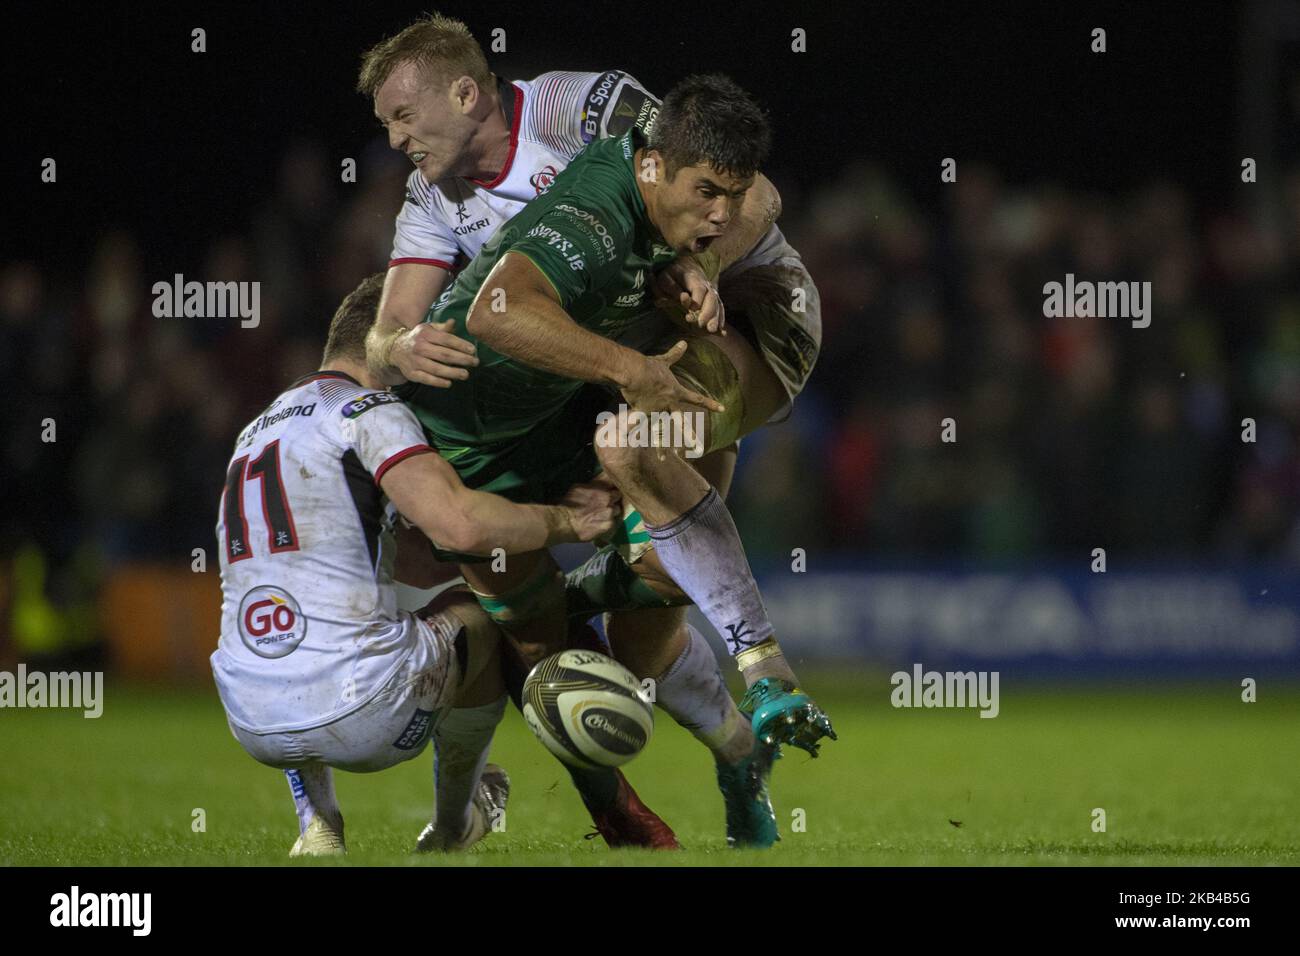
{"x":605,"y":582}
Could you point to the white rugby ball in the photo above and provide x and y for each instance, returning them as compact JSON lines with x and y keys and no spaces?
{"x":588,"y":709}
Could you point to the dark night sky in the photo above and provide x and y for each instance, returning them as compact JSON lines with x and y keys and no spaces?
{"x":179,"y":146}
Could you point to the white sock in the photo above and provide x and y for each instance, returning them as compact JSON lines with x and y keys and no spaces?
{"x":312,"y":787}
{"x":701,"y":549}
{"x":694,"y":694}
{"x":460,"y":747}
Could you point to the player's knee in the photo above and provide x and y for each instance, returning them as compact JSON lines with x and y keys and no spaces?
{"x":481,"y":631}
{"x":538,"y":597}
{"x":646,"y":640}
{"x":641,"y":657}
{"x":632,"y":464}
{"x":483,"y":683}
{"x":460,"y":600}
{"x":620,"y":459}
{"x":719,"y":466}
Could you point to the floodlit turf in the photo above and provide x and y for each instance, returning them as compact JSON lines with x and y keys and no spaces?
{"x":1186,"y":775}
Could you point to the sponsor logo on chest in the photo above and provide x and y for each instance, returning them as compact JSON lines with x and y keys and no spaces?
{"x":468,"y":223}
{"x":636,"y":296}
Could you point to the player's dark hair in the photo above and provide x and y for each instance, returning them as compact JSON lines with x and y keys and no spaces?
{"x":708,"y":118}
{"x":353,"y":319}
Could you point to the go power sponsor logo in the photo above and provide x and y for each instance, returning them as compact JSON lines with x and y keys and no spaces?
{"x":271,"y":622}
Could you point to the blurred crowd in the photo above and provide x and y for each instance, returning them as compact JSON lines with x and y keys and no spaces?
{"x":1070,"y":433}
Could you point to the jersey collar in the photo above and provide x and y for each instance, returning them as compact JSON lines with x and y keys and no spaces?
{"x":636,"y":140}
{"x":325,"y":373}
{"x":514,"y":111}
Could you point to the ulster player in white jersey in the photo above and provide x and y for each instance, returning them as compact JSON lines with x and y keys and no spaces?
{"x":549,"y":120}
{"x":316,"y":666}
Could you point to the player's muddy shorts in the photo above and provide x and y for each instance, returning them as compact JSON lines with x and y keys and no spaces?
{"x":392,"y":726}
{"x":539,"y":467}
{"x":776,"y":307}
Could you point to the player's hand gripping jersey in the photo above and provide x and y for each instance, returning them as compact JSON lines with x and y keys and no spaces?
{"x":310,"y":628}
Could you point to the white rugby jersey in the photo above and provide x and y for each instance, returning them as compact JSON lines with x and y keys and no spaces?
{"x":551,"y":119}
{"x":310,"y":628}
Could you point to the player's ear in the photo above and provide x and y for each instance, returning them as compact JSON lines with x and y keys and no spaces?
{"x":464,"y":93}
{"x":653,"y":166}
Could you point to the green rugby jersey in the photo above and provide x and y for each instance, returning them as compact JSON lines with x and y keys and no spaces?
{"x":590,"y":236}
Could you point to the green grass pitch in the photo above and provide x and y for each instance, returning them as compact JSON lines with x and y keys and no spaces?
{"x":1186,"y":774}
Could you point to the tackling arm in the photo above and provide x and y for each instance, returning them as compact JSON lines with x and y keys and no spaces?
{"x":430,"y":494}
{"x":415,"y":565}
{"x":401,"y":346}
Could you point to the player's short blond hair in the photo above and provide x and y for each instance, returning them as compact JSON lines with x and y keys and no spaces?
{"x":442,"y":48}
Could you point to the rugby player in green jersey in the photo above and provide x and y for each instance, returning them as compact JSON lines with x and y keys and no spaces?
{"x":544,"y":301}
{"x":483,"y":148}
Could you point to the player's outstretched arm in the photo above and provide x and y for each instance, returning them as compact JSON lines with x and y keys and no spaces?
{"x":534,"y":329}
{"x":431,"y":495}
{"x":401,"y":347}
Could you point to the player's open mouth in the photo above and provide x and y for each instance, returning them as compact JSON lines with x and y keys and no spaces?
{"x":702,"y":242}
{"x":418,"y":158}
